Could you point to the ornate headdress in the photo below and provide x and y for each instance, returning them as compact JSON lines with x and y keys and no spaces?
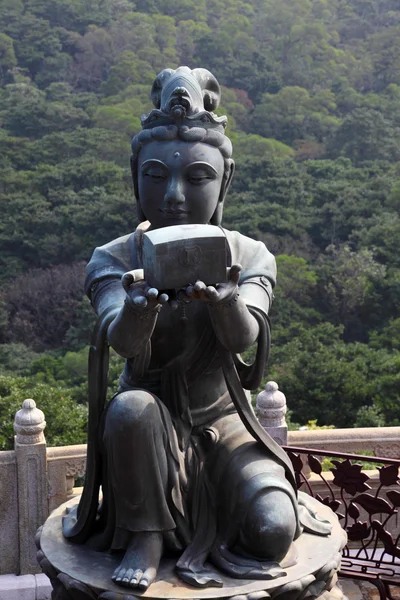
{"x":185,"y":97}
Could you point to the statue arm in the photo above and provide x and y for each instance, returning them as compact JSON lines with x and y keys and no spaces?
{"x":133,"y":326}
{"x":131,"y":330}
{"x":234,"y":325}
{"x":232,"y":306}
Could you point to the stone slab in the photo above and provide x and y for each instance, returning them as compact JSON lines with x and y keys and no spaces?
{"x":359,"y":589}
{"x":9,"y":542}
{"x":25,"y":587}
{"x":43,"y":587}
{"x":351,"y":589}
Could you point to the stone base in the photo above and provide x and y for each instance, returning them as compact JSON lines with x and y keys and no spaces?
{"x":79,"y":573}
{"x":25,"y":587}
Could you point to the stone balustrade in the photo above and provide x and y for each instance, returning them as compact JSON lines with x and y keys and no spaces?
{"x":34,"y":479}
{"x":64,"y":465}
{"x":381,"y":441}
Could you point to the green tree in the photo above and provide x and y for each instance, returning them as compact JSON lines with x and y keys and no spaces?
{"x":366,"y":135}
{"x":294,"y":297}
{"x":7,"y":56}
{"x":326,"y":379}
{"x":294,"y":114}
{"x":349,"y":291}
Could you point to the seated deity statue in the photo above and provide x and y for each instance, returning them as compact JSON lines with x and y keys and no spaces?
{"x":184,"y":468}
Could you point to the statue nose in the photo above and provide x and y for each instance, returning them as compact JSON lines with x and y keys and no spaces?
{"x":174,"y":194}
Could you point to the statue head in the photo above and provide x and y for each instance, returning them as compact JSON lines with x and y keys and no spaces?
{"x":181,"y":160}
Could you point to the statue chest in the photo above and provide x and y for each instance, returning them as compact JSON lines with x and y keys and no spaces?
{"x":178,"y":332}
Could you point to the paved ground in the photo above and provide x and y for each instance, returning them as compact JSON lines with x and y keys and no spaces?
{"x":363,"y":590}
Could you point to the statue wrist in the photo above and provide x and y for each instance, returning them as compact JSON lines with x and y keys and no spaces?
{"x":142,"y":314}
{"x":225,"y":304}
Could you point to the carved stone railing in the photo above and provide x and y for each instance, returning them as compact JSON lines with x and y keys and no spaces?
{"x":64,"y":465}
{"x":9,"y":531}
{"x":34,"y":480}
{"x":381,"y":441}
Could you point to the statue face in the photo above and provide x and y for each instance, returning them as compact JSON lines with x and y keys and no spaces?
{"x":179,"y":182}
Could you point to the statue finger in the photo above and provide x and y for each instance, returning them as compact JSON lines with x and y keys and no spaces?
{"x":127,"y":280}
{"x":189,"y":290}
{"x":199,"y":286}
{"x":131,"y":277}
{"x":140,"y":301}
{"x":211,"y":293}
{"x":163,"y":298}
{"x":234,"y":273}
{"x":152,"y":293}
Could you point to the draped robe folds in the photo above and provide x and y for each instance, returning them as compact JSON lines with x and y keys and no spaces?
{"x":202,"y":462}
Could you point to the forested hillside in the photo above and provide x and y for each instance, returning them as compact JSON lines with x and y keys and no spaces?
{"x":312,"y":91}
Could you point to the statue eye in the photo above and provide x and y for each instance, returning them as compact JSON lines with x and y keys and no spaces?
{"x":156,"y":175}
{"x":198,"y":177}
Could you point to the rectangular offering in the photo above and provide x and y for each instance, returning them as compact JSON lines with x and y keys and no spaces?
{"x":174,"y":257}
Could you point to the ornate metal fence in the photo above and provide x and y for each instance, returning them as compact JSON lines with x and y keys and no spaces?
{"x":366,"y":502}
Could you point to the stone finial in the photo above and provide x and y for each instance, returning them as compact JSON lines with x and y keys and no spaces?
{"x":271,"y":411}
{"x":29,"y":423}
{"x":271,"y":406}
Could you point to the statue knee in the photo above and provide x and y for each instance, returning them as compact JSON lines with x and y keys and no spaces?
{"x":269,"y":527}
{"x":130,"y":408}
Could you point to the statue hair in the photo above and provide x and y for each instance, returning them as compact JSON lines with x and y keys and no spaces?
{"x":167,"y":133}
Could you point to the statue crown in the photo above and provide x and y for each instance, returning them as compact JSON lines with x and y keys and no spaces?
{"x":185,"y":97}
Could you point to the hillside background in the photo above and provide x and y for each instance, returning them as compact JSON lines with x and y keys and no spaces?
{"x":312,"y":91}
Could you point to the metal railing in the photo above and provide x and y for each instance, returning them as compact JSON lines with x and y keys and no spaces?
{"x":366,"y":503}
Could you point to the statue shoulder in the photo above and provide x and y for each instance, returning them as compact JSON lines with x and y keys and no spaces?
{"x":253,"y":255}
{"x":111,"y":260}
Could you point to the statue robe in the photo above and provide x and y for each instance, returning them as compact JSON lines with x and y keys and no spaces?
{"x":203,"y":467}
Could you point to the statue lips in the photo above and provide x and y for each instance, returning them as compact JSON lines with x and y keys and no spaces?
{"x":174,"y":214}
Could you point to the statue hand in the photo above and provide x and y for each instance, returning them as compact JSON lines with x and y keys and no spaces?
{"x":141,"y":295}
{"x":221,"y":294}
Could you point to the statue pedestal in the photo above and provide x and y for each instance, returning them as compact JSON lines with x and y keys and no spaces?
{"x":79,"y":573}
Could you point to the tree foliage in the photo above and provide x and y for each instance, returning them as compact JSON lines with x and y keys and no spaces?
{"x":312,"y":92}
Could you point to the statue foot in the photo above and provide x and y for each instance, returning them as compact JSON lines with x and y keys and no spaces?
{"x":138,"y":568}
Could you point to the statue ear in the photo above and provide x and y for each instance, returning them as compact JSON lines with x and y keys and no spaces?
{"x":226,"y":182}
{"x":134,"y":176}
{"x":227,"y":179}
{"x":140,"y":215}
{"x":216,"y":219}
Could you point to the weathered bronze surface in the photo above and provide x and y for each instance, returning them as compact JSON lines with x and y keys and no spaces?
{"x":181,"y":254}
{"x":319,"y":559}
{"x":187,"y":473}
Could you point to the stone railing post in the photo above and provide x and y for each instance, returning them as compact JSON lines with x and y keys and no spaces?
{"x":271,"y":411}
{"x":30,"y":451}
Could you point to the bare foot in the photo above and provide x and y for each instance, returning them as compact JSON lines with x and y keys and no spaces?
{"x":138,"y":568}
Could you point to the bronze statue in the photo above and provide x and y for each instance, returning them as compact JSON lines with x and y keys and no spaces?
{"x":185,"y":468}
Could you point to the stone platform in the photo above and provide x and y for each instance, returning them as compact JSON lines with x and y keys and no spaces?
{"x":79,"y":573}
